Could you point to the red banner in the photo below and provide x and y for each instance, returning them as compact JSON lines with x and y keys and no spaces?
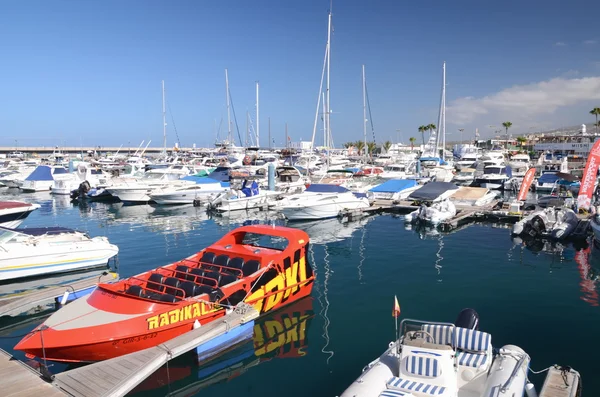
{"x":588,"y":182}
{"x":527,"y":179}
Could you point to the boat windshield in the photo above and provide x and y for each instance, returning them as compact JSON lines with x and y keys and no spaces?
{"x":277,"y":243}
{"x":492,"y":170}
{"x":6,"y":235}
{"x":153,"y":176}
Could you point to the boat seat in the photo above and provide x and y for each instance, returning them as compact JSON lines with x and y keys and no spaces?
{"x":227,"y":279}
{"x":211,"y":278}
{"x":172,"y":288}
{"x":208,"y":257}
{"x":195,"y":274}
{"x":169,"y":298}
{"x":236,"y":263}
{"x":236,"y":298}
{"x":135,"y":290}
{"x":474,"y":360}
{"x":221,"y":260}
{"x":393,"y":393}
{"x":250,"y":267}
{"x":192,"y":289}
{"x":181,"y":271}
{"x":215,"y":295}
{"x":426,"y":367}
{"x":155,"y":282}
{"x":417,"y":388}
{"x":469,"y":340}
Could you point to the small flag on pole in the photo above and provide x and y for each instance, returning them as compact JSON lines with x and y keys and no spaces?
{"x":396,"y":311}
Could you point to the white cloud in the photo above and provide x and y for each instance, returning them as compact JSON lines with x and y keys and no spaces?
{"x":590,"y":42}
{"x":524,"y":102}
{"x":560,"y":44}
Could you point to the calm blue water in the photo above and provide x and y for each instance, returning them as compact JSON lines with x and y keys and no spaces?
{"x":545,"y":302}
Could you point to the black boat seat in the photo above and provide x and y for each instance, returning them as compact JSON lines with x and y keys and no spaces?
{"x":172,"y":284}
{"x":216,"y":295}
{"x":221,"y":260}
{"x":169,"y":298}
{"x":195,"y":274}
{"x":236,"y":297}
{"x":154,"y":296}
{"x":236,"y":263}
{"x":211,"y":278}
{"x":250,"y":267}
{"x":193,"y":289}
{"x":208,"y":257}
{"x":135,"y":290}
{"x":181,"y":271}
{"x":227,"y":279}
{"x":154,"y":282}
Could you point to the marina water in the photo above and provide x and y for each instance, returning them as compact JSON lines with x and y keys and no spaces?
{"x":543,"y":301}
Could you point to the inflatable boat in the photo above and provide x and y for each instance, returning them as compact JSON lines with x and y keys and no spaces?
{"x":433,"y":213}
{"x":448,"y":360}
{"x":549,"y":222}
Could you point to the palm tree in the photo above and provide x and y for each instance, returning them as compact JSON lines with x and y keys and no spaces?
{"x":507,"y":125}
{"x":387,"y":145}
{"x":371,"y":146}
{"x":360,"y":145}
{"x":596,"y":112}
{"x":412,"y":142}
{"x":348,"y":144}
{"x":521,"y":140}
{"x":422,"y":130}
{"x":431,"y":127}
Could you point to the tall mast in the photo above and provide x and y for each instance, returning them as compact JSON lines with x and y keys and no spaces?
{"x":164,"y":114}
{"x":364,"y":108}
{"x":443,"y":127}
{"x":257,"y":118}
{"x":328,"y":112}
{"x":228,"y":107}
{"x":269,"y":133}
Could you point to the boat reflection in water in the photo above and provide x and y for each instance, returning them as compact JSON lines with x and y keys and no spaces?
{"x":588,"y":263}
{"x":277,"y":335}
{"x":330,"y":230}
{"x":162,"y":219}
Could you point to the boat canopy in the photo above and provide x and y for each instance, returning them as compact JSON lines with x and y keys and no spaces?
{"x":41,"y":173}
{"x":432,"y":190}
{"x":394,"y":185}
{"x":436,"y":159}
{"x":326,"y":188}
{"x":548,"y":177}
{"x":567,"y":177}
{"x":38,"y":231}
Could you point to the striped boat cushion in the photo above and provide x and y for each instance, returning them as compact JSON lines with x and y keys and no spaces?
{"x":422,"y":366}
{"x":391,"y":393}
{"x":474,"y":360}
{"x":467,"y":339}
{"x":423,"y":388}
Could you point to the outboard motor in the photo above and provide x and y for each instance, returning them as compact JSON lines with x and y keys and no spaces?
{"x":467,"y":318}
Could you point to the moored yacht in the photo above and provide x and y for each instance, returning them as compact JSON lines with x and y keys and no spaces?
{"x":140,"y":190}
{"x":494,"y":177}
{"x":13,"y":213}
{"x":320,"y":201}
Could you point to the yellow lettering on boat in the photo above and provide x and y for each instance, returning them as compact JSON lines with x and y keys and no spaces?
{"x":187,"y":312}
{"x":164,"y":319}
{"x":152,"y":322}
{"x":291,"y":274}
{"x":197,"y":311}
{"x":256,"y":295}
{"x":174,"y":316}
{"x":277,"y":284}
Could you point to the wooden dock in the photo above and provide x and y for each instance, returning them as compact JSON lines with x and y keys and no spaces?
{"x":118,"y":376}
{"x":33,"y":301}
{"x":20,"y":380}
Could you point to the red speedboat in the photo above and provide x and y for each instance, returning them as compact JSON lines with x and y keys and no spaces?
{"x":264,"y":266}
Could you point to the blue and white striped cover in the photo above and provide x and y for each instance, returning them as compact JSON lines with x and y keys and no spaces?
{"x":409,"y":385}
{"x":391,"y":393}
{"x":474,"y":360}
{"x":467,"y":339}
{"x":422,"y":366}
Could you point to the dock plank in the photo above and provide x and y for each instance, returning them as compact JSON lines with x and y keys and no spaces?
{"x":120,"y":375}
{"x":20,"y":380}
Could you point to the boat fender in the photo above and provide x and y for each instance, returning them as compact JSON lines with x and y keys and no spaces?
{"x":467,"y":318}
{"x":64,"y":298}
{"x":530,"y":389}
{"x":197,"y":324}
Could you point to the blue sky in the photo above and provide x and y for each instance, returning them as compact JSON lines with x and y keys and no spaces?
{"x":83,"y":72}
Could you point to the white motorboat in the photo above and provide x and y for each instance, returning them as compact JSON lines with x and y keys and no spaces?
{"x":520,"y":163}
{"x":244,"y":199}
{"x":84,"y":172}
{"x":38,"y":251}
{"x":14,"y":175}
{"x":433,"y":213}
{"x":320,"y":201}
{"x":468,"y":160}
{"x":556,"y":223}
{"x":495,"y":177}
{"x":13,"y":213}
{"x":139,"y":191}
{"x":465,"y":176}
{"x":42,"y":178}
{"x":452,"y":360}
{"x":473,"y":196}
{"x":393,"y":189}
{"x":393,"y":171}
{"x":204,"y":191}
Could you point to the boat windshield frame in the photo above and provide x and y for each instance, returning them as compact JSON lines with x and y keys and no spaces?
{"x":412,"y":324}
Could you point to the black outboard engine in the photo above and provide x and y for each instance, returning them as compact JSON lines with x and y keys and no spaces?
{"x":467,"y":318}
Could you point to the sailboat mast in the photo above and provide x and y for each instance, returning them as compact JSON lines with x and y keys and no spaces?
{"x":364,"y":88}
{"x":328,"y":112}
{"x":257,"y":117}
{"x":443,"y":127}
{"x":228,"y":107}
{"x":164,"y":114}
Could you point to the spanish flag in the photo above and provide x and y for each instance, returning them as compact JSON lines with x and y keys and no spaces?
{"x":396,"y":311}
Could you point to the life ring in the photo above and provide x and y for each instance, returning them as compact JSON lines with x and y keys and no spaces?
{"x":247,"y":160}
